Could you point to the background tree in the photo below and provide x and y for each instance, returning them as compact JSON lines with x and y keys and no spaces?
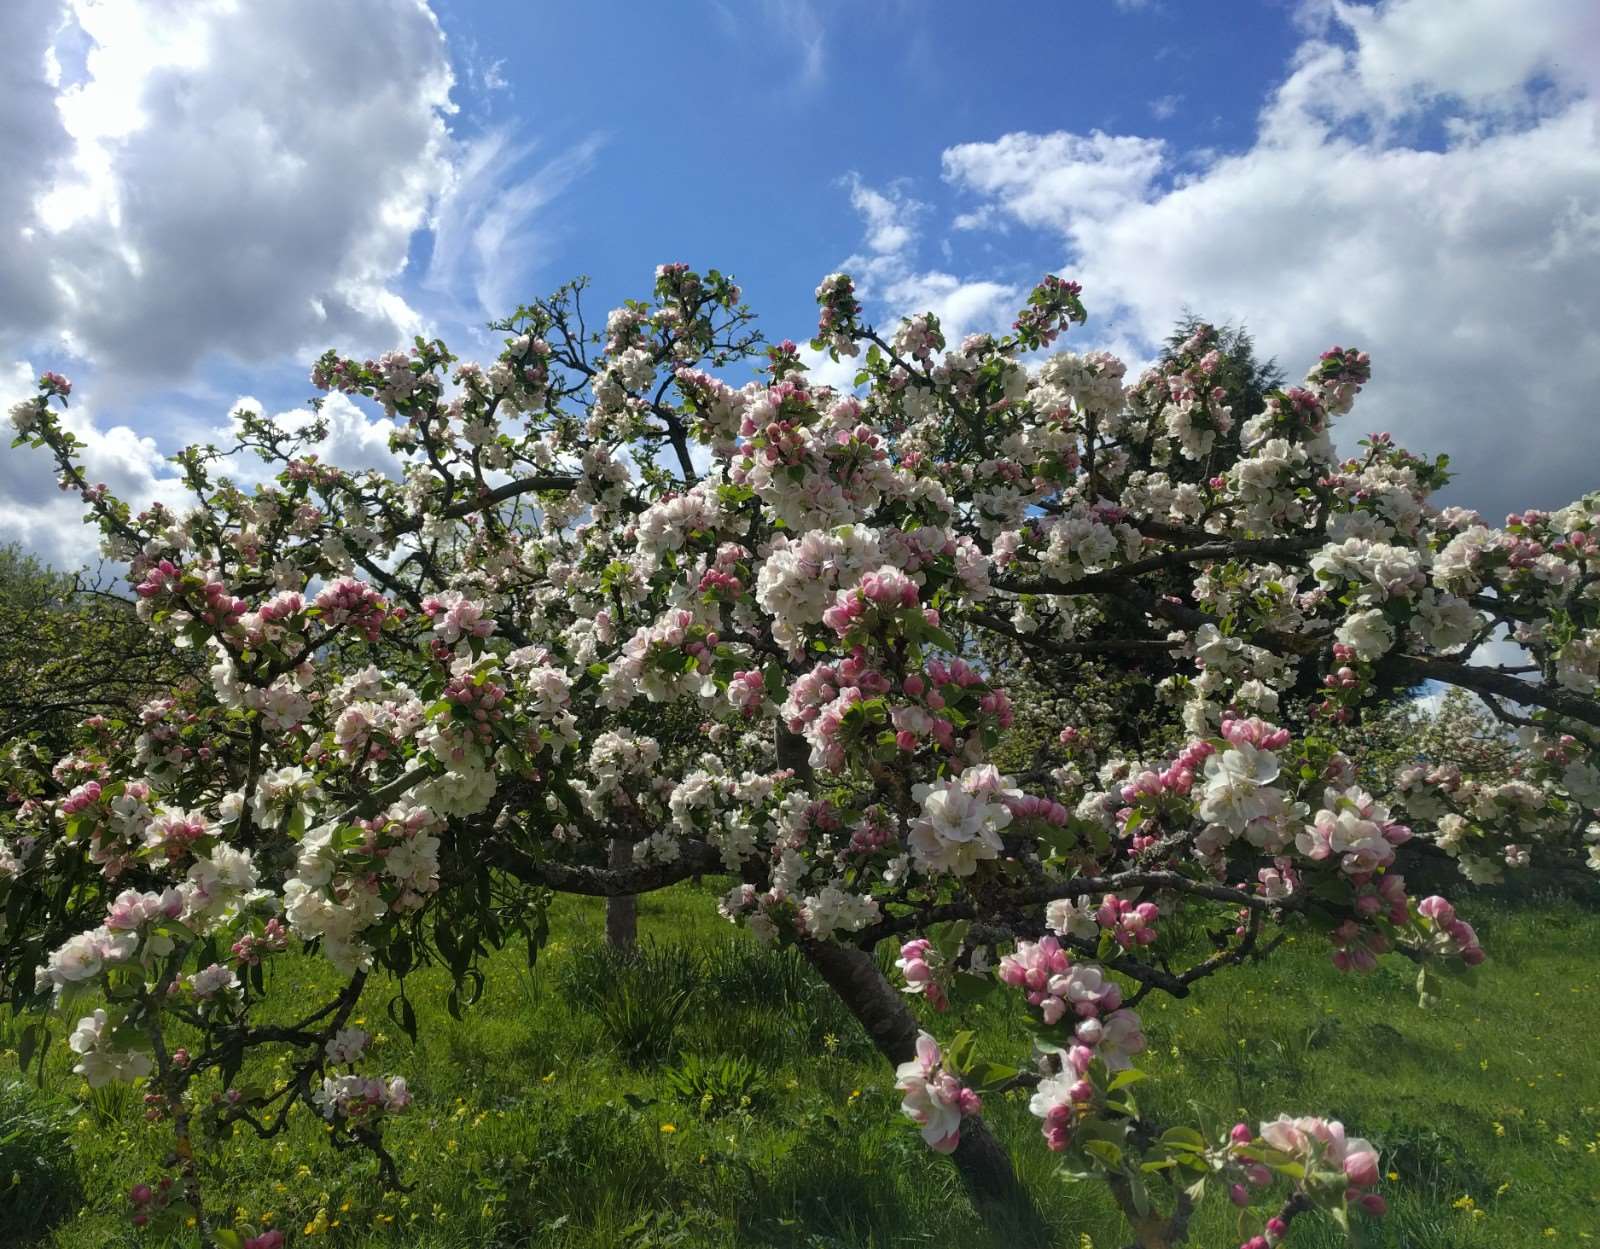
{"x":69,"y":649}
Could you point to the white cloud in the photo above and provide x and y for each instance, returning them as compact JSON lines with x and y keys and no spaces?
{"x":891,"y":285}
{"x":484,"y":237}
{"x":889,"y":216}
{"x":195,"y":183}
{"x":50,"y":521}
{"x":801,"y":43}
{"x":1425,"y":184}
{"x":216,"y":177}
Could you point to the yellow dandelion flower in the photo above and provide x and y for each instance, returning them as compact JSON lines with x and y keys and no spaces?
{"x":669,"y":1128}
{"x":318,"y":1225}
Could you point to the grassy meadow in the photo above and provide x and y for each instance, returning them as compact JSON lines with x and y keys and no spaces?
{"x":717,"y":1096}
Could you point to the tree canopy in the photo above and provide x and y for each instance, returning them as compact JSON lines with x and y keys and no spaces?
{"x":775,"y":629}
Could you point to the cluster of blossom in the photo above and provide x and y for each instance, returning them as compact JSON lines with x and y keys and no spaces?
{"x":1084,"y":540}
{"x":101,"y":1060}
{"x":520,"y":377}
{"x":935,"y":1097}
{"x":1450,"y":935}
{"x":361,"y":1099}
{"x":668,"y":524}
{"x":1060,"y":988}
{"x":815,"y":467}
{"x":838,"y":322}
{"x":1052,"y":306}
{"x":835,"y":909}
{"x":619,"y":756}
{"x":1065,"y":1097}
{"x":667,"y":658}
{"x":961,"y":820}
{"x":371,"y":729}
{"x":345,"y":1047}
{"x":1355,"y":828}
{"x":348,"y":877}
{"x":921,"y":965}
{"x":1321,"y":1145}
{"x":738,"y":815}
{"x":138,"y":927}
{"x":1130,"y":923}
{"x":1240,"y":797}
{"x":455,"y":616}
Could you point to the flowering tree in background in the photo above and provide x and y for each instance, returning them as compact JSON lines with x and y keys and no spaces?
{"x":429,"y":707}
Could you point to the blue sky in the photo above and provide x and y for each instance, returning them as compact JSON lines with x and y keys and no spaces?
{"x":204,"y":194}
{"x":723,"y":132}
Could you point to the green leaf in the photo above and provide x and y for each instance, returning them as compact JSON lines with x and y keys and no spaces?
{"x":959,"y":1051}
{"x":227,"y":1238}
{"x":1124,"y":1078}
{"x":1104,"y":1151}
{"x":1183,"y":1139}
{"x":406,"y":1018}
{"x":947,"y":937}
{"x":27,"y":1043}
{"x":986,"y":1075}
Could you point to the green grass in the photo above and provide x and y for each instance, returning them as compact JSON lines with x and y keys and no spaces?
{"x":722,"y":1098}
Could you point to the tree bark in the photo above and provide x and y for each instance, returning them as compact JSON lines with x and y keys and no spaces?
{"x":982,"y":1160}
{"x":622,"y":911}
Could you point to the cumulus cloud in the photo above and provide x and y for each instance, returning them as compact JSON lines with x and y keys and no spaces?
{"x":889,"y":279}
{"x":198,"y":177}
{"x":1424,"y":183}
{"x":891,"y":284}
{"x":50,"y":522}
{"x":205,"y":187}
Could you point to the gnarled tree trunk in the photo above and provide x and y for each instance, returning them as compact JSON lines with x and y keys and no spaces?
{"x":984,"y":1164}
{"x":982,"y":1160}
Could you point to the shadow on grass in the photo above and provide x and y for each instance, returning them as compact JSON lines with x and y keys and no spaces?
{"x":38,"y":1182}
